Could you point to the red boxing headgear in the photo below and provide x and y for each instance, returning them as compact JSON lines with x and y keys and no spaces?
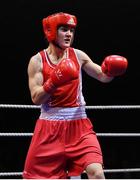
{"x":51,"y":23}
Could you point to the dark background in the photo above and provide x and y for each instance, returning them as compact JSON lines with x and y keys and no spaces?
{"x":104,"y":28}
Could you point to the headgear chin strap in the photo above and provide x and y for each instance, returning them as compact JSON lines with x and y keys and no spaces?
{"x":52,"y":22}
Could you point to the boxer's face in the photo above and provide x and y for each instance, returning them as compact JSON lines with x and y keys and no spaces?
{"x":65,"y":36}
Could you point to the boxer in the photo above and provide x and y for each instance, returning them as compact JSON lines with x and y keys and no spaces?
{"x":64,"y":142}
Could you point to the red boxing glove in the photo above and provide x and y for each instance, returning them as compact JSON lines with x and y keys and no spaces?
{"x":64,"y":72}
{"x":114,"y":65}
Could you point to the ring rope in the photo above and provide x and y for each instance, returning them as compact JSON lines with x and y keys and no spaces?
{"x":16,"y":134}
{"x":105,"y":171}
{"x":21,"y":106}
{"x":98,"y":134}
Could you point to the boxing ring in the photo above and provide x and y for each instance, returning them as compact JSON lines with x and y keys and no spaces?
{"x":101,"y":135}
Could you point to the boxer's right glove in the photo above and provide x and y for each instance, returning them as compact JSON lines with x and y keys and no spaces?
{"x":64,"y":72}
{"x":114,"y":65}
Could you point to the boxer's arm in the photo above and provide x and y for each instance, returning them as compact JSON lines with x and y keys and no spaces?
{"x":92,"y":69}
{"x":35,"y":80}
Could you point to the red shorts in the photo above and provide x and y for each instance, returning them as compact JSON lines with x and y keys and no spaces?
{"x":61,"y":148}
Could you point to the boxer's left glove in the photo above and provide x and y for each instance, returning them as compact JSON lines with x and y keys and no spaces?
{"x":114,"y":65}
{"x":64,"y":72}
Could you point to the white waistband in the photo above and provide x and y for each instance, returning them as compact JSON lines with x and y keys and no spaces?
{"x":62,"y":113}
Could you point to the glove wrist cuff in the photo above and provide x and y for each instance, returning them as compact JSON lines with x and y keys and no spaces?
{"x":48,"y":87}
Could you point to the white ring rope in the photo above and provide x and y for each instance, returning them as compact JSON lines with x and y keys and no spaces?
{"x":98,"y":134}
{"x":101,"y":107}
{"x":21,"y":106}
{"x":16,"y":134}
{"x":105,"y":171}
